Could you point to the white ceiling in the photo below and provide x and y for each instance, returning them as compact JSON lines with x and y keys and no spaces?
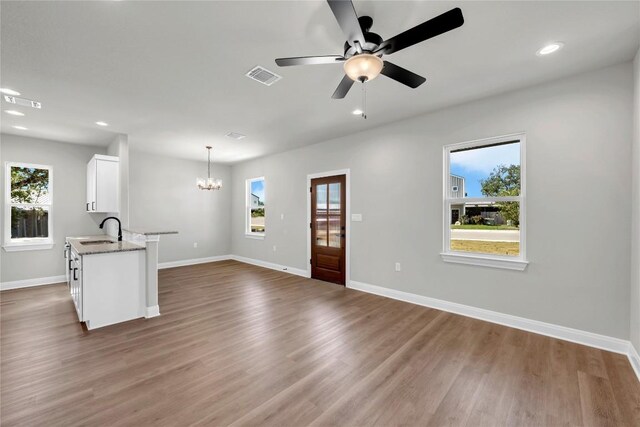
{"x":171,"y":74}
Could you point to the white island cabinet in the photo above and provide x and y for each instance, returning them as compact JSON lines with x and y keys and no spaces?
{"x":103,"y":176}
{"x":106,"y":280}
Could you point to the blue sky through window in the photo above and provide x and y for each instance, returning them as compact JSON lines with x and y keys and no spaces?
{"x":257,"y":188}
{"x":476,"y":165}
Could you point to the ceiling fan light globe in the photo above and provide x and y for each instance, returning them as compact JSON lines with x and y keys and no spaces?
{"x":363,"y":67}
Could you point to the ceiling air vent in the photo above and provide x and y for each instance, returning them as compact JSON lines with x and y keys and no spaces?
{"x":263,"y":75}
{"x":22,"y":101}
{"x":235,"y":135}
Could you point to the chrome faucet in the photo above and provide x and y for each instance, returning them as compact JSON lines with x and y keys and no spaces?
{"x":119,"y":226}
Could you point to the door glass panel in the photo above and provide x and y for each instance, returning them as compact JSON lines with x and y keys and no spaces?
{"x":334,"y":231}
{"x":321,"y":199}
{"x":334,"y":215}
{"x":321,"y":230}
{"x":321,"y":215}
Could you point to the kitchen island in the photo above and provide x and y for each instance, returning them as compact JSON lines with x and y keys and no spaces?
{"x":106,"y":279}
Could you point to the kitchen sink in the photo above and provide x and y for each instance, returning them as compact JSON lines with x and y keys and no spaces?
{"x":97,"y":242}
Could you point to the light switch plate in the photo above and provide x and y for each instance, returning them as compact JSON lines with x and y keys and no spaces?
{"x":356,"y":217}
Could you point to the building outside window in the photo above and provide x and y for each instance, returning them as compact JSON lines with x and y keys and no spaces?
{"x":255,"y":212}
{"x":484,"y":200}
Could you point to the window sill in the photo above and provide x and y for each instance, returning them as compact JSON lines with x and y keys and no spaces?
{"x":28,"y":246}
{"x":485,"y":261}
{"x":254,"y":236}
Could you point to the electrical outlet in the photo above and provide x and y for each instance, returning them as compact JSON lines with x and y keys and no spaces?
{"x":274,"y":248}
{"x":398,"y":268}
{"x":195,"y":244}
{"x":281,"y":216}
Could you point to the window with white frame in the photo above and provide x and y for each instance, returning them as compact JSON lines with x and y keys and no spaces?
{"x":28,"y":206}
{"x":255,"y":207}
{"x":484,"y":202}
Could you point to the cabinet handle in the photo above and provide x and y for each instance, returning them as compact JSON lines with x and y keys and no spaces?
{"x":93,"y":206}
{"x":87,"y":206}
{"x":69,"y":264}
{"x":74,"y":274}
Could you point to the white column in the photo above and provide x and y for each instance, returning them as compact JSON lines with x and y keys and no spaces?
{"x":152,"y":308}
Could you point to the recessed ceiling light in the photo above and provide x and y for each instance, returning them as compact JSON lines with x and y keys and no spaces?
{"x":20,"y":127}
{"x":14,"y":112}
{"x":550,"y":48}
{"x":102,"y":123}
{"x":357,"y":112}
{"x":7,"y":91}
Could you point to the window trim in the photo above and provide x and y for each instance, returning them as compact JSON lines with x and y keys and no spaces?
{"x":496,"y":261}
{"x":247,"y":209}
{"x":27,"y":243}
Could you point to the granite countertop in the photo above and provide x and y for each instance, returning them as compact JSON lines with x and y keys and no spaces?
{"x":146,"y":231}
{"x":105,"y":248}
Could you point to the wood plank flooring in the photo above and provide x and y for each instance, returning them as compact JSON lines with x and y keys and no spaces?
{"x":242,"y":345}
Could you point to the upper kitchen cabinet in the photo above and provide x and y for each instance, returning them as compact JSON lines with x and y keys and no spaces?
{"x":103,"y":184}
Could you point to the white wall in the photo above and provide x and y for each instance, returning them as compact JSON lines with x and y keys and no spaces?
{"x":163,"y":195}
{"x":635,"y":217}
{"x":70,"y":218}
{"x":578,"y":148}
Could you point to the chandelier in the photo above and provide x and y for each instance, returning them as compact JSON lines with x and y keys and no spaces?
{"x":209,"y":183}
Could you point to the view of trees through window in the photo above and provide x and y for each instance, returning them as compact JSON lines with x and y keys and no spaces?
{"x":484,"y":199}
{"x":30,"y":202}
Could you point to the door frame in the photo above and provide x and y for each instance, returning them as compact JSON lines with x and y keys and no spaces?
{"x":347,"y":249}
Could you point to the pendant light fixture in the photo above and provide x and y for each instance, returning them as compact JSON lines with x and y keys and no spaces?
{"x":209,"y":183}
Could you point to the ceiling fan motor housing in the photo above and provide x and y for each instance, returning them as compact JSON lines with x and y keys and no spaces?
{"x":372,"y":40}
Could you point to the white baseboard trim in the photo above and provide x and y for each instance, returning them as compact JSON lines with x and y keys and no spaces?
{"x":185,"y":262}
{"x":270,"y":265}
{"x":17,"y":284}
{"x":153,"y":311}
{"x":634,"y":359}
{"x":590,"y":339}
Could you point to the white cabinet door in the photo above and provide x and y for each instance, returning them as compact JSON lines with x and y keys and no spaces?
{"x":91,"y":185}
{"x":103,"y":184}
{"x":107,"y":188}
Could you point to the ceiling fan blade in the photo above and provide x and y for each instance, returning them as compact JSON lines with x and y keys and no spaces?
{"x":402,"y":75}
{"x":431,"y":28}
{"x":343,"y":88}
{"x":309,"y":60}
{"x":347,"y":19}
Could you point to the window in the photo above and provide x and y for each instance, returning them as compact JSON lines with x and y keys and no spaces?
{"x":484,"y":202}
{"x":255,"y":212}
{"x":28,"y":216}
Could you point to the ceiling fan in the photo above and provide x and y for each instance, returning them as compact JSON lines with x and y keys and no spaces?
{"x":363,"y":49}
